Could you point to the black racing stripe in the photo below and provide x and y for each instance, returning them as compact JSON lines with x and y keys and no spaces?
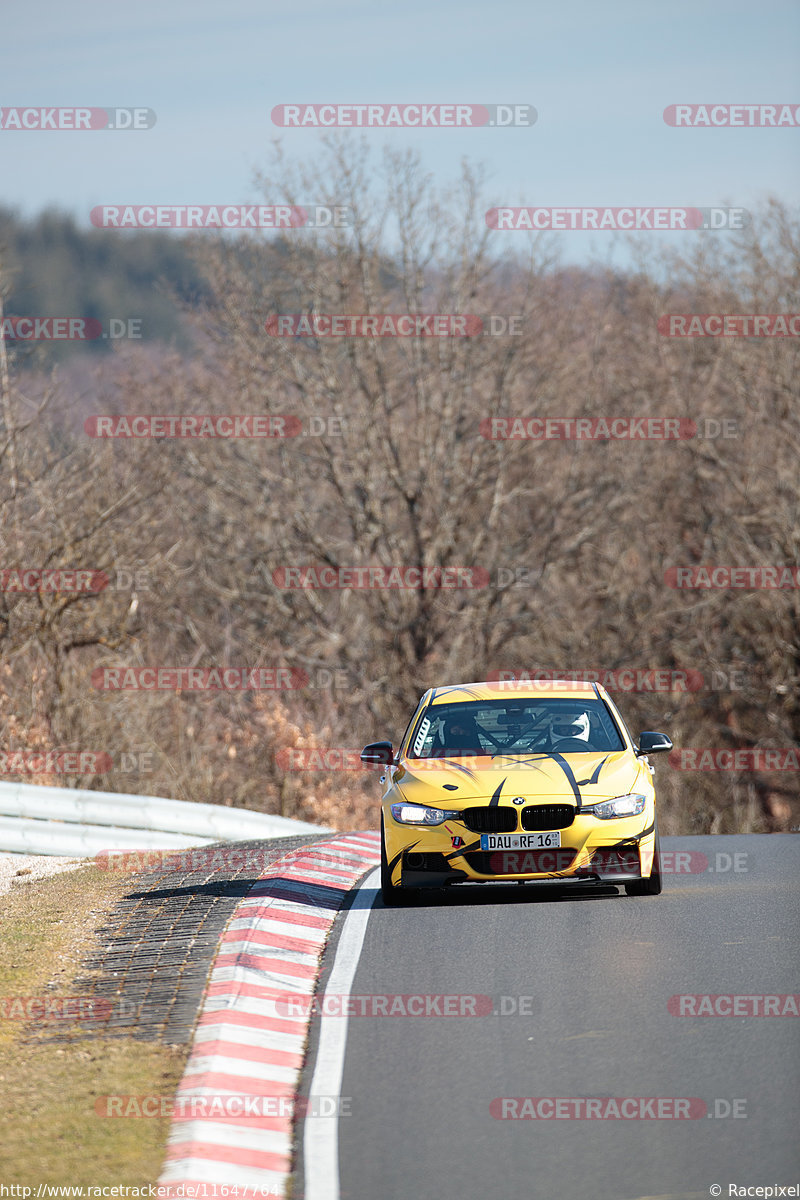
{"x":495,"y":800}
{"x":573,"y":783}
{"x":631,"y":841}
{"x":595,"y":774}
{"x":531,"y":759}
{"x":397,"y":857}
{"x":451,"y":764}
{"x":454,"y":765}
{"x":464,"y":850}
{"x":598,"y":769}
{"x":456,"y":687}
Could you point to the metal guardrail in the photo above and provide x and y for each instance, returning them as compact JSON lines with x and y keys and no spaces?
{"x":51,"y":820}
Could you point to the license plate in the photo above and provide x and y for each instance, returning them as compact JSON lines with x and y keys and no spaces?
{"x":521,"y":841}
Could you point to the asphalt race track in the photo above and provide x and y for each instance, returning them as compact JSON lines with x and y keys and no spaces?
{"x":580,"y":988}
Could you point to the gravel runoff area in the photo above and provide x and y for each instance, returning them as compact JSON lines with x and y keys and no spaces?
{"x":17,"y":868}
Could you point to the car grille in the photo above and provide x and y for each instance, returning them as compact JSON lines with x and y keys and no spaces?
{"x":547,"y":816}
{"x":490,"y":820}
{"x":491,"y":862}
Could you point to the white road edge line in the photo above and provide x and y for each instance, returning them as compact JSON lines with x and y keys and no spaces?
{"x":321,"y":1134}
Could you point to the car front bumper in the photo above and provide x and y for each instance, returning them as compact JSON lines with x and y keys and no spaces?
{"x":615,"y":851}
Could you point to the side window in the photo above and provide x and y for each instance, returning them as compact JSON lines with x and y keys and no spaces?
{"x":611,"y":728}
{"x":422,"y":735}
{"x":409,"y":749}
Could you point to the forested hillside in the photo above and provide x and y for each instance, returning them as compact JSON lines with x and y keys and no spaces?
{"x":53,"y":268}
{"x":572,"y":542}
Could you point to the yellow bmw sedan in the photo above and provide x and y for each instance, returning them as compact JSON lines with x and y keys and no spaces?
{"x":525,"y":783}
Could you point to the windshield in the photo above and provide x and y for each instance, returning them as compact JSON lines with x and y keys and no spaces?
{"x":515,"y":726}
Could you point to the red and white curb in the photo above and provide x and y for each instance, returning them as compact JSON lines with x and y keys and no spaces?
{"x":245,"y":1046}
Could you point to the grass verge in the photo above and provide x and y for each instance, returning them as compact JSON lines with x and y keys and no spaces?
{"x":49,"y":1129}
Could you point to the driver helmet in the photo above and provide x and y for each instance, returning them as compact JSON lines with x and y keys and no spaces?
{"x":570,"y":729}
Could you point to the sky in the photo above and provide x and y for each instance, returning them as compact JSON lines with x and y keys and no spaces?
{"x":598,"y":75}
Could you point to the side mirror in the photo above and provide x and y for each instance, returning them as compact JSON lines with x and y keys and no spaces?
{"x":378,"y":754}
{"x":652,"y":743}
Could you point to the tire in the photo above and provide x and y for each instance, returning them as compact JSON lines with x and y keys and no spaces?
{"x":392,"y":897}
{"x":652,"y":885}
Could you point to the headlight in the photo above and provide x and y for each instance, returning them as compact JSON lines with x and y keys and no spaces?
{"x":418,"y":814}
{"x":624,"y":806}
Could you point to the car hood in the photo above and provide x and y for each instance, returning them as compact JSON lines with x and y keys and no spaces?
{"x":577,"y":778}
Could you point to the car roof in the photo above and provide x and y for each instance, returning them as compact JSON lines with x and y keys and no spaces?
{"x":564,"y":689}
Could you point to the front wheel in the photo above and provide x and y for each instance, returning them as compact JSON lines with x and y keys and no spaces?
{"x":652,"y":885}
{"x":392,"y":897}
